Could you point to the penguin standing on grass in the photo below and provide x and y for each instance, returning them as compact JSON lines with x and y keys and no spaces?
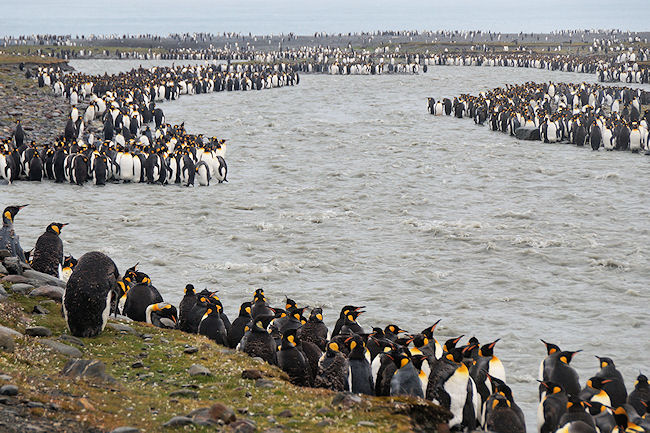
{"x":360,"y":375}
{"x":314,"y":330}
{"x":88,"y":294}
{"x":212,"y":326}
{"x":184,"y":308}
{"x":406,"y":380}
{"x":48,"y":252}
{"x":237,"y":329}
{"x":293,"y":361}
{"x":333,"y":370}
{"x":9,"y":240}
{"x":257,"y":342}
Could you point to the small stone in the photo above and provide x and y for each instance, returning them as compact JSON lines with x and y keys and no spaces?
{"x":4,"y":253}
{"x":264,"y":383}
{"x":184,"y":393}
{"x":5,"y":377}
{"x":41,"y":279}
{"x":137,"y":364}
{"x":35,"y":404}
{"x":271,"y":419}
{"x":273,"y":430}
{"x":7,"y":342}
{"x":366,"y":424}
{"x":9,"y":390}
{"x":220,"y":411}
{"x":21,"y":288}
{"x":190,"y":350}
{"x":86,"y":368}
{"x":4,"y":329}
{"x":164,"y":341}
{"x":14,"y":279}
{"x":125,"y":430}
{"x":50,"y":292}
{"x":252,"y":374}
{"x":146,"y":337}
{"x":346,"y":399}
{"x":178,"y":421}
{"x":40,"y":310}
{"x":243,"y":426}
{"x":38,"y":331}
{"x":62,"y":348}
{"x":324,"y":423}
{"x":248,"y":394}
{"x":14,"y":267}
{"x":143,"y":376}
{"x":120,"y":327}
{"x":324,"y":411}
{"x":199,"y":370}
{"x":285,"y":414}
{"x":242,"y":410}
{"x":71,"y":339}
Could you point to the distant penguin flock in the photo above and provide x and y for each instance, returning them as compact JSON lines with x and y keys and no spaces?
{"x":467,"y":379}
{"x":130,"y":150}
{"x":587,"y":115}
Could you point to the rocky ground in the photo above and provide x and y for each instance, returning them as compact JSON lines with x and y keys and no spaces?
{"x":42,"y":114}
{"x":138,"y":378}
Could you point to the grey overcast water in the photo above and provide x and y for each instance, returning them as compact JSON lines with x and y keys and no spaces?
{"x":344,"y":190}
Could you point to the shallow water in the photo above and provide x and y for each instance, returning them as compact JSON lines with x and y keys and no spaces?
{"x":344,"y":190}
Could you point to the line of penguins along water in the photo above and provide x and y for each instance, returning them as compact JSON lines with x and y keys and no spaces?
{"x":581,"y":114}
{"x":126,"y":103}
{"x":469,"y":380}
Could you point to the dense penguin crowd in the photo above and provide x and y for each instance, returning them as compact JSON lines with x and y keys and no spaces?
{"x":582,"y":114}
{"x":467,"y":379}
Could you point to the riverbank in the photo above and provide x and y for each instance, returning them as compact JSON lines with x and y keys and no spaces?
{"x":150,"y":379}
{"x":41,"y":113}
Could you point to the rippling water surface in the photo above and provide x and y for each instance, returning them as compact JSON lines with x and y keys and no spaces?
{"x":344,"y":190}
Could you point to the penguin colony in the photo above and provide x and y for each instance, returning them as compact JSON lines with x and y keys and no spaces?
{"x":467,"y":379}
{"x":130,"y":151}
{"x":581,"y":114}
{"x":611,"y":55}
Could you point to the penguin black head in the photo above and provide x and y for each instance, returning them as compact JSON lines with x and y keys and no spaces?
{"x":55,"y":228}
{"x":400,"y":357}
{"x":567,"y":356}
{"x":353,"y":315}
{"x":296,"y":313}
{"x":347,"y":309}
{"x":245,"y":309}
{"x":641,"y":381}
{"x":393,"y":329}
{"x":428,"y":332}
{"x":259,"y":295}
{"x":289,"y":339}
{"x":500,"y":401}
{"x":597,"y":382}
{"x":576,"y":404}
{"x":69,"y":262}
{"x":451,"y":343}
{"x":316,"y":315}
{"x":454,"y":355}
{"x":487,"y":349}
{"x":552,"y":387}
{"x":290,"y":304}
{"x":10,"y":213}
{"x":605,"y":362}
{"x":189,"y":289}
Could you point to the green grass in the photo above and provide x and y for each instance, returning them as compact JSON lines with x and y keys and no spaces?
{"x":11,"y":59}
{"x":140,"y":397}
{"x":96,"y":50}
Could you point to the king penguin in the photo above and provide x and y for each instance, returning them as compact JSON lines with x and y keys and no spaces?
{"x":162,"y":315}
{"x":9,"y":240}
{"x":88,"y":294}
{"x":332,"y":370}
{"x":639,"y":398}
{"x":184,"y":308}
{"x":551,"y":408}
{"x":615,"y":386}
{"x":292,"y":361}
{"x":212,"y":325}
{"x":565,"y":375}
{"x":406,"y":380}
{"x":314,"y":331}
{"x":48,"y":252}
{"x":502,"y":417}
{"x":360,"y":375}
{"x":257,"y":342}
{"x":237,"y":329}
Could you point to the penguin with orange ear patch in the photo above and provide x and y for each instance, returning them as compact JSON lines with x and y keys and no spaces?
{"x":565,"y":375}
{"x":162,"y":315}
{"x":212,"y":325}
{"x":48,"y":252}
{"x":615,"y":386}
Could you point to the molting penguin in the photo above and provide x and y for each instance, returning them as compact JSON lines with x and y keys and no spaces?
{"x":258,"y":342}
{"x":333,"y":370}
{"x":342,"y":317}
{"x":502,"y":417}
{"x":162,"y":315}
{"x":212,"y":326}
{"x":293,"y":361}
{"x":69,"y":263}
{"x":9,"y":240}
{"x":577,"y":415}
{"x":48,"y":252}
{"x":88,"y":294}
{"x":314,"y":330}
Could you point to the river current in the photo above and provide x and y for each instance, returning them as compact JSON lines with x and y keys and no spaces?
{"x":344,"y":190}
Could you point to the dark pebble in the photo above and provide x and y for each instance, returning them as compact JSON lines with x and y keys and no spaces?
{"x":137,"y":364}
{"x":9,"y":390}
{"x":252,"y":374}
{"x":190,"y":350}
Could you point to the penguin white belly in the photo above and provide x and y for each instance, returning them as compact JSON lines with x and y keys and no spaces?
{"x":456,"y":387}
{"x":137,"y":169}
{"x":126,"y":167}
{"x":551,"y":132}
{"x":602,"y":398}
{"x":107,"y":309}
{"x":496,"y":369}
{"x":635,"y":140}
{"x":540,"y":415}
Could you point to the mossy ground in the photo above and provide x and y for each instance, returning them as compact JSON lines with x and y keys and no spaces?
{"x":140,"y":396}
